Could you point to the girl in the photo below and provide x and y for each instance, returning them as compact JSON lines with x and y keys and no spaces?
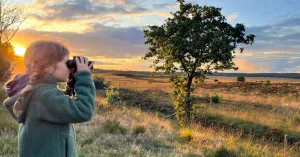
{"x":44,"y":112}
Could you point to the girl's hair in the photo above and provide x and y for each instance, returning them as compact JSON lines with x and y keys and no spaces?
{"x":39,"y":56}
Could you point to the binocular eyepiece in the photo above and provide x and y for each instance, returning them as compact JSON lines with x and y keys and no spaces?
{"x":71,"y":64}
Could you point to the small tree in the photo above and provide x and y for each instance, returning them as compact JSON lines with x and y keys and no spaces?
{"x":197,"y":41}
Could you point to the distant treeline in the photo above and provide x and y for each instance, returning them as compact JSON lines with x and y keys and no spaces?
{"x":275,"y":75}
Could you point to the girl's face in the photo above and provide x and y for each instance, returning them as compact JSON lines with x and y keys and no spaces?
{"x":62,"y":72}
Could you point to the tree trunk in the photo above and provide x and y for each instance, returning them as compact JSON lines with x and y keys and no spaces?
{"x":1,"y":31}
{"x":188,"y":102}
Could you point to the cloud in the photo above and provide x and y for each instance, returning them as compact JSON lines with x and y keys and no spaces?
{"x":110,"y":48}
{"x":94,"y":28}
{"x":166,"y":5}
{"x":248,"y":66}
{"x":80,"y":9}
{"x":135,"y":63}
{"x":232,"y":17}
{"x":274,"y":42}
{"x":77,"y":15}
{"x":99,"y":41}
{"x":290,"y":22}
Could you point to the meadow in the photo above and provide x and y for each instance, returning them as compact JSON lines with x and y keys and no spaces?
{"x":231,"y":118}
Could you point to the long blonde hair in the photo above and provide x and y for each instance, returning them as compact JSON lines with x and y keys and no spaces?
{"x":39,"y":56}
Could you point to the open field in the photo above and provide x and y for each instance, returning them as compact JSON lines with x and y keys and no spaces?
{"x":251,"y":119}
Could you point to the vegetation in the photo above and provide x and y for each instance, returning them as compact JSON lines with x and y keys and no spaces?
{"x":238,"y":126}
{"x":200,"y":41}
{"x":100,"y":83}
{"x":241,"y":79}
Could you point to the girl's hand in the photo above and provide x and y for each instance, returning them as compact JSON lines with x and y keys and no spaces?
{"x":83,"y":65}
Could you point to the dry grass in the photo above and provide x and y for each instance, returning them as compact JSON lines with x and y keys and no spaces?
{"x":112,"y":130}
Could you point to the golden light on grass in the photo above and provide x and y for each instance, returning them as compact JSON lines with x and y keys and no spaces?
{"x":19,"y":50}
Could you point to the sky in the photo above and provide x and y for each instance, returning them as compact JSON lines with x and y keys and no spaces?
{"x":110,"y":32}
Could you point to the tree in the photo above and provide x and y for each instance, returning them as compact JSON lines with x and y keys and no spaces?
{"x":10,"y":20}
{"x":196,"y":41}
{"x":8,"y":60}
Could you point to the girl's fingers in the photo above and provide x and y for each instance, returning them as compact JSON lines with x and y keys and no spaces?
{"x":86,"y":60}
{"x":90,"y":66}
{"x":77,"y":61}
{"x":81,"y":60}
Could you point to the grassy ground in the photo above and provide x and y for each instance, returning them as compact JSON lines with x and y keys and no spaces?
{"x":240,"y":125}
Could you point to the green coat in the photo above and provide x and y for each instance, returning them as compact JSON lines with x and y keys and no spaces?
{"x":46,"y":128}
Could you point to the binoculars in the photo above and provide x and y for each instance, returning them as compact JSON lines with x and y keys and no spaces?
{"x":71,"y":64}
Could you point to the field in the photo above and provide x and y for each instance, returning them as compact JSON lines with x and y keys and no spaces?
{"x":250,"y":119}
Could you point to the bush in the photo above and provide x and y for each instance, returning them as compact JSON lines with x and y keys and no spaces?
{"x":241,"y":79}
{"x":139,"y":129}
{"x":100,"y":83}
{"x":112,"y":96}
{"x":186,"y":135}
{"x":215,"y":99}
{"x":296,"y":118}
{"x":113,"y":126}
{"x":223,"y":152}
{"x":216,"y":80}
{"x":268,"y":82}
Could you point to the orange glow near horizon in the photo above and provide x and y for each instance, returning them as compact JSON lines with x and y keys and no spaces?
{"x":19,"y":50}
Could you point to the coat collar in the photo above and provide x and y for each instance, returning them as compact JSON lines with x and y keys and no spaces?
{"x":47,"y":79}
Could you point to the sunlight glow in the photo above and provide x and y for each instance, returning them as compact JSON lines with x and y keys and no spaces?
{"x":19,"y":51}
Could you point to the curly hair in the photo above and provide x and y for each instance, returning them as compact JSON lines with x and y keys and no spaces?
{"x":39,"y":56}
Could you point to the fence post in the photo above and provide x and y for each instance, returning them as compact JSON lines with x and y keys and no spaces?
{"x":286,"y":145}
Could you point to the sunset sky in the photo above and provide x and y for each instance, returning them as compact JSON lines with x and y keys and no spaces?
{"x":110,"y":31}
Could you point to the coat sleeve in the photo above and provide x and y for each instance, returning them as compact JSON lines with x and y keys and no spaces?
{"x":9,"y":103}
{"x":54,"y":106}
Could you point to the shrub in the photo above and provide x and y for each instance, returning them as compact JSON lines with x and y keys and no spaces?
{"x":113,"y":126}
{"x":186,"y":134}
{"x":296,"y":118}
{"x":215,"y":99}
{"x":112,"y":96}
{"x":223,"y":152}
{"x":139,"y":129}
{"x":100,"y":83}
{"x":268,"y":82}
{"x":241,"y":79}
{"x":216,"y":80}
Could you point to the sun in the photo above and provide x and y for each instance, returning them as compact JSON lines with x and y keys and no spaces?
{"x":19,"y":50}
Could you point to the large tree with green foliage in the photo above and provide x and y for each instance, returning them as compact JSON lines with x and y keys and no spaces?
{"x":197,"y":41}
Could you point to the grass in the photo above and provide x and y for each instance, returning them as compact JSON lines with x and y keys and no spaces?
{"x":8,"y":131}
{"x":239,"y":125}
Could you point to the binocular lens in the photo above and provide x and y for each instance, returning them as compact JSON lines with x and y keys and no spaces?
{"x":72,"y":63}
